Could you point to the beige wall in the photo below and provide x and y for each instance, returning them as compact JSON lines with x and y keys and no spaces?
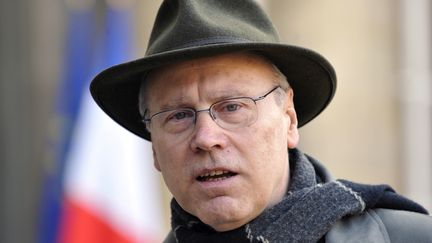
{"x":357,"y":136}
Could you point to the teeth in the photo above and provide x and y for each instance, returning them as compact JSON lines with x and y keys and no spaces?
{"x":215,"y":179}
{"x":214,"y":172}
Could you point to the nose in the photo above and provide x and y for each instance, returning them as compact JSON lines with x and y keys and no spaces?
{"x":207,"y":134}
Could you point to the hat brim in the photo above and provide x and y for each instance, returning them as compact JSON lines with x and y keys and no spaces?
{"x":310,"y":75}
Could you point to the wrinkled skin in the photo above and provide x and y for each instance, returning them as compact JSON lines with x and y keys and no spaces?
{"x":257,"y":154}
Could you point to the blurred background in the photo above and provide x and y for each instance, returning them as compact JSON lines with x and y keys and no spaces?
{"x":69,"y":174}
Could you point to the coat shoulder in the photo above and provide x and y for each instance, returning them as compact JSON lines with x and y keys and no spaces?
{"x":382,"y":225}
{"x":170,"y":238}
{"x":405,"y":226}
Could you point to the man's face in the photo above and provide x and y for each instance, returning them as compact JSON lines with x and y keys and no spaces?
{"x":255,"y":156}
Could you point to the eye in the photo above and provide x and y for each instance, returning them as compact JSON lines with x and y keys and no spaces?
{"x":179,"y":115}
{"x":231,"y":106}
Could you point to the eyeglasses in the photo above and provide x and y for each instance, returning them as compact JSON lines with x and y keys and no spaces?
{"x":229,"y":114}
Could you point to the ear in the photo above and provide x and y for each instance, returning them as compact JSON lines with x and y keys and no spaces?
{"x":155,"y":160}
{"x":293,"y":134}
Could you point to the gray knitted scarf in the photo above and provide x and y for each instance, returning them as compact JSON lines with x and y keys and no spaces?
{"x":309,"y":209}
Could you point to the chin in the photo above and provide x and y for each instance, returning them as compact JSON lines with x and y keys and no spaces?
{"x":225,"y":225}
{"x":226,"y":220}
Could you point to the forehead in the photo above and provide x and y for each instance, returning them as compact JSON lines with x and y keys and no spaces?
{"x":221,"y":75}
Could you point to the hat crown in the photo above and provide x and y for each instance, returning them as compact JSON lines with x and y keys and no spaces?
{"x":188,"y":23}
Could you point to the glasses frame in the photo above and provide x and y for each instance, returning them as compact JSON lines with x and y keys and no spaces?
{"x":209,"y":110}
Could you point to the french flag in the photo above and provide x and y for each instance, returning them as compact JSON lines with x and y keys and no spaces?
{"x":103,"y":187}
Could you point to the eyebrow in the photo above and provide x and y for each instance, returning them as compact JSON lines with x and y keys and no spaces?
{"x":176,"y":103}
{"x":226,"y":94}
{"x":216,"y":96}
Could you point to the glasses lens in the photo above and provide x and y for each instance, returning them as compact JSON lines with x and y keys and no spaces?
{"x":234,"y":113}
{"x":175,"y":121}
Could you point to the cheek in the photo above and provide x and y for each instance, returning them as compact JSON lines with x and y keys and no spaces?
{"x":267,"y":147}
{"x":170,"y":158}
{"x":168,"y":151}
{"x":269,"y":138}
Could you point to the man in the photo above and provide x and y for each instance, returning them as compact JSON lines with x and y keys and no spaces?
{"x":221,"y":101}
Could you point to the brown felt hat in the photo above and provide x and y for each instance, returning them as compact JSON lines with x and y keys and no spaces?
{"x":186,"y":29}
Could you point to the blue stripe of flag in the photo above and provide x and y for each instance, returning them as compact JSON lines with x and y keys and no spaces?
{"x":77,"y":63}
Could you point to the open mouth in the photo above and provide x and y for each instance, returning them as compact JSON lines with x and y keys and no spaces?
{"x":215,"y":175}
